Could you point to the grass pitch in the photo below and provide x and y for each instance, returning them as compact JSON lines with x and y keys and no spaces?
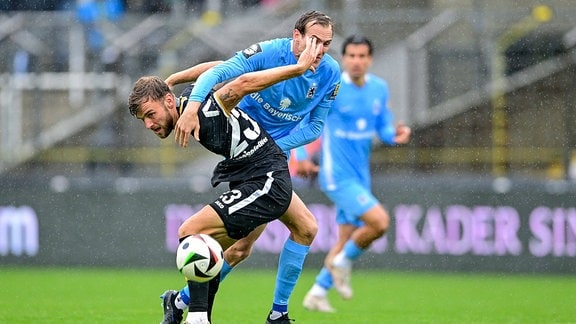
{"x":34,"y":295}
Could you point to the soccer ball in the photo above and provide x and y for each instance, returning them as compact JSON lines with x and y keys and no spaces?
{"x":199,"y":257}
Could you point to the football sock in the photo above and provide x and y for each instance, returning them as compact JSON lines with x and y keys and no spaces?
{"x":212,"y":290}
{"x":324,"y":280}
{"x":180,"y":304}
{"x":198,"y":297}
{"x":349,"y":253}
{"x":196,"y":317}
{"x":226,"y":268}
{"x":352,"y":251}
{"x":185,"y":295}
{"x":289,"y":269}
{"x":318,"y":290}
{"x":185,"y":292}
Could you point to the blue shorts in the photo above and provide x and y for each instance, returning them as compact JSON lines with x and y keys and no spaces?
{"x":352,"y":200}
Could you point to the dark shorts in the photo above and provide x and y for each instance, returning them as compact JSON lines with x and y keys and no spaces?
{"x":252,"y":203}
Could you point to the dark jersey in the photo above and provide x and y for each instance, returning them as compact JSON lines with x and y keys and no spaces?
{"x":248,"y":150}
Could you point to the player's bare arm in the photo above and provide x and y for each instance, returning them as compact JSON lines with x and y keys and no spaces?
{"x":231,"y":94}
{"x":190,"y":74}
{"x":258,"y":80}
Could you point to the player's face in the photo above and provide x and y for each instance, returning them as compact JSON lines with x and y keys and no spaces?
{"x":357,"y":60}
{"x":323,"y":35}
{"x":157,"y":117}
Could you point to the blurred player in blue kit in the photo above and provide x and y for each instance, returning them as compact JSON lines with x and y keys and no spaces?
{"x":359,"y":113}
{"x":280,"y":109}
{"x":254,"y":165}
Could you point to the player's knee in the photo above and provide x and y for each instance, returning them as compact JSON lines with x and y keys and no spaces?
{"x":302,"y":224}
{"x":307,"y":232}
{"x":313,"y":230}
{"x":381,"y":226}
{"x":185,"y":230}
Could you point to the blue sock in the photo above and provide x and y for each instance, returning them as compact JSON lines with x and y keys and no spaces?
{"x":185,"y":295}
{"x":290,"y":267}
{"x":352,"y":251}
{"x":324,"y":279}
{"x":226,"y":268}
{"x":185,"y":292}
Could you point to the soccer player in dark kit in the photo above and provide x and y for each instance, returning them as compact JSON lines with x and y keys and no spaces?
{"x":254,"y":166}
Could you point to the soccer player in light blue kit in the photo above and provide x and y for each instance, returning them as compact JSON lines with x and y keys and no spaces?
{"x":359,"y":113}
{"x":280,"y":109}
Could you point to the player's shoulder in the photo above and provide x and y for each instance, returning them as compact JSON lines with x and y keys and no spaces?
{"x":274,"y":48}
{"x":376,"y":80}
{"x":331,"y":63}
{"x":276,"y":42}
{"x":329,"y":68}
{"x":274,"y":45}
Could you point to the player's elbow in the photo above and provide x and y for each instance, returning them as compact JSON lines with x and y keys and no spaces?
{"x":245,"y":84}
{"x":316,"y":130}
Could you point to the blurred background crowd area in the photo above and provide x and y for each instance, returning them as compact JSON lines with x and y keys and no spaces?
{"x":487,"y":86}
{"x":116,"y":6}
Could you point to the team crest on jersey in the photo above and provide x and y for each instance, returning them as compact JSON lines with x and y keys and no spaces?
{"x":285,"y":103}
{"x":311,"y":91}
{"x":250,"y":51}
{"x":335,"y":92}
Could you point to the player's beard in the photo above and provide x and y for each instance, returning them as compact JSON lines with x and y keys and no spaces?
{"x":166,"y":125}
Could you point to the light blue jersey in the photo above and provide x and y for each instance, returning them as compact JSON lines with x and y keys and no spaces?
{"x":357,"y":116}
{"x":292,"y":112}
{"x":282,"y":106}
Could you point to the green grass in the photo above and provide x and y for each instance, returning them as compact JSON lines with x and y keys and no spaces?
{"x":31,"y":295}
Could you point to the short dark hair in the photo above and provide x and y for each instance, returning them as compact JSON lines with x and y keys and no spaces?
{"x":357,"y":40}
{"x":145,"y":89}
{"x":314,"y":17}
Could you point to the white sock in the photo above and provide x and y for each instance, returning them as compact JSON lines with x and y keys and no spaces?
{"x":318,"y":291}
{"x":179,"y":303}
{"x":197,"y":317}
{"x":341,"y":261}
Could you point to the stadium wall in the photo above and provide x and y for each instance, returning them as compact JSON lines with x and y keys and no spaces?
{"x":438,"y":224}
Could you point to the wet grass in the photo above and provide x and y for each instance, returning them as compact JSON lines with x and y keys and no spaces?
{"x":32,"y":295}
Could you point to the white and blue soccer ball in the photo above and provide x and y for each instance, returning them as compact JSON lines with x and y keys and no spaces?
{"x":199,"y":257}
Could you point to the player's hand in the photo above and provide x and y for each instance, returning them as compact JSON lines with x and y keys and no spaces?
{"x":402,"y":134}
{"x":306,"y":169}
{"x":310,"y":54}
{"x":188,"y":124}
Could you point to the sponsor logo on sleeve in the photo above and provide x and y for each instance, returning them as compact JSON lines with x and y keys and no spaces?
{"x":335,"y":92}
{"x":250,"y":51}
